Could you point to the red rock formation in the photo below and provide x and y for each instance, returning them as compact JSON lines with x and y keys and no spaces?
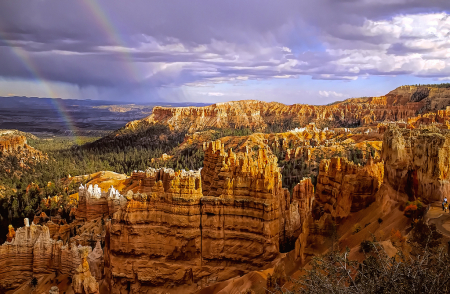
{"x":169,"y":213}
{"x":58,"y":227}
{"x":399,"y":104}
{"x":40,"y":219}
{"x":342,"y":187}
{"x":221,"y":115}
{"x":243,"y":206}
{"x":16,"y":145}
{"x":96,"y":262}
{"x":303,"y":194}
{"x":208,"y":226}
{"x":33,"y":252}
{"x":299,"y":152}
{"x":277,"y":279}
{"x":417,"y":162}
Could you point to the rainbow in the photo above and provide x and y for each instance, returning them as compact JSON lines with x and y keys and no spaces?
{"x":34,"y":71}
{"x":104,"y":22}
{"x":107,"y":26}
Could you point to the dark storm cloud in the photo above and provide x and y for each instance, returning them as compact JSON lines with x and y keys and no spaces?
{"x":123,"y":44}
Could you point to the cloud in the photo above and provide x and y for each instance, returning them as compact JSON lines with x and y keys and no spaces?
{"x":330,"y":93}
{"x":403,"y":45}
{"x":215,"y":94}
{"x":135,"y":49}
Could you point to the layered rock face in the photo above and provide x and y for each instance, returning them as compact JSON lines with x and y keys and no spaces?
{"x":243,"y":206}
{"x":417,"y":161}
{"x":399,"y":104}
{"x":231,"y":217}
{"x":96,"y":262}
{"x":343,"y":187}
{"x":32,"y":252}
{"x":156,"y":239}
{"x":11,"y":143}
{"x":93,"y":203}
{"x":299,"y":152}
{"x":440,"y":118}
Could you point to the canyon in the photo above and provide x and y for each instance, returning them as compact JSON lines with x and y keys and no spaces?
{"x":232,"y":225}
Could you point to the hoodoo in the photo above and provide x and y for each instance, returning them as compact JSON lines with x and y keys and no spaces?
{"x":205,"y":226}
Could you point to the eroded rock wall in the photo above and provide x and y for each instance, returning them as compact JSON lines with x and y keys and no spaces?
{"x":32,"y":252}
{"x":417,"y":162}
{"x":243,"y":206}
{"x":303,"y":197}
{"x":156,"y":239}
{"x":343,"y":187}
{"x":93,"y":203}
{"x":399,"y":104}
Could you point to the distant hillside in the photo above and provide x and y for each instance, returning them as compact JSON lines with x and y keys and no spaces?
{"x":71,"y":117}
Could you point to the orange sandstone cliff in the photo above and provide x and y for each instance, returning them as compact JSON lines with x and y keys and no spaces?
{"x":417,"y":162}
{"x":344,"y":187}
{"x":398,"y":105}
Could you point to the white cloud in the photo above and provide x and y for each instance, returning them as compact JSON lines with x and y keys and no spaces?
{"x":215,"y":94}
{"x":330,"y":93}
{"x":414,"y":44}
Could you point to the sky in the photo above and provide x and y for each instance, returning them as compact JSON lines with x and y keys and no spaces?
{"x":290,"y":51}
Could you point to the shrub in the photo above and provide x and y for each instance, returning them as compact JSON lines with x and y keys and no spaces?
{"x":410,"y":210}
{"x":34,"y":282}
{"x":366,"y":246}
{"x":415,"y":209}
